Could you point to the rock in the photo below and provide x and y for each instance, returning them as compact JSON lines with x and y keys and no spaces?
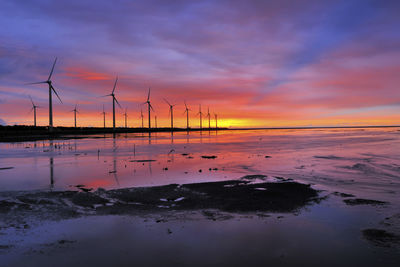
{"x":209,"y":157}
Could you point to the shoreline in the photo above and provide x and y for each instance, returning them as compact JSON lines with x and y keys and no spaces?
{"x":23,"y":133}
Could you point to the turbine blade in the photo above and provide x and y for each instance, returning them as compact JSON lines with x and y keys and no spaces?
{"x":148,"y":95}
{"x":167,"y":102}
{"x":105,"y":95}
{"x":52,"y":69}
{"x":31,"y":101}
{"x":36,"y":83}
{"x":54,"y":90}
{"x":115,"y":84}
{"x":117,"y":102}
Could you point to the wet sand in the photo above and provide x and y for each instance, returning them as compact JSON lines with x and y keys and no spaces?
{"x":163,"y":221}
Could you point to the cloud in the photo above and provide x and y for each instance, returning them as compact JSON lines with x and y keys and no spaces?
{"x":286,"y":60}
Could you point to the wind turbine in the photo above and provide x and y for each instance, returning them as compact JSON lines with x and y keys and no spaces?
{"x":34,"y":107}
{"x":216,"y":121}
{"x":75,"y":111}
{"x":104,"y":117}
{"x":141,"y":115}
{"x":149,"y":107}
{"x":126,"y":116}
{"x":209,"y":118}
{"x":114,"y":101}
{"x":201,"y":117}
{"x":155,"y":118}
{"x":51,"y":89}
{"x":171,"y":112}
{"x":187,"y":116}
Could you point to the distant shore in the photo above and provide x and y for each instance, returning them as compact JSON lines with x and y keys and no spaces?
{"x":22,"y":133}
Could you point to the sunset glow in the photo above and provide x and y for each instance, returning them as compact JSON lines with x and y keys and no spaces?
{"x":254,"y":63}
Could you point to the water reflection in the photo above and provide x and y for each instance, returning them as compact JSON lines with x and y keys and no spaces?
{"x":51,"y":173}
{"x":115,"y":171}
{"x":349,"y":160}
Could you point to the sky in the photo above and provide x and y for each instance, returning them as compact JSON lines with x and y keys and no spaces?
{"x":254,"y":63}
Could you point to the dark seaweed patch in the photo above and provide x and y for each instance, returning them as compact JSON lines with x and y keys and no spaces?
{"x":361,"y":201}
{"x":380,"y":237}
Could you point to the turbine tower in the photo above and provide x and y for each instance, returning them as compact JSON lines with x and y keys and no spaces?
{"x":51,"y":90}
{"x":216,"y":121}
{"x":187,"y":116}
{"x":171,"y":112}
{"x":201,"y":117}
{"x":34,"y":107}
{"x":75,"y":111}
{"x":114,"y":99}
{"x":104,"y":117}
{"x":149,"y":107}
{"x":141,"y":115}
{"x":209,"y":118}
{"x":126,"y":117}
{"x":155,"y":119}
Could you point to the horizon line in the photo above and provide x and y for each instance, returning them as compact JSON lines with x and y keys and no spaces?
{"x":225,"y":128}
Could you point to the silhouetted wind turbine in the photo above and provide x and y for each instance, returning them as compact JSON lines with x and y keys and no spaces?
{"x":209,"y":118}
{"x":201,"y":117}
{"x":51,"y":88}
{"x":171,"y":112}
{"x":155,"y":119}
{"x":104,"y":117}
{"x":126,"y":116}
{"x":141,"y":116}
{"x":34,"y":107}
{"x":216,"y":121}
{"x":75,"y":111}
{"x":187,"y":116}
{"x":149,"y":107}
{"x":114,"y":100}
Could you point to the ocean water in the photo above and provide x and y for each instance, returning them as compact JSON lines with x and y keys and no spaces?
{"x":365,"y":162}
{"x":361,"y":162}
